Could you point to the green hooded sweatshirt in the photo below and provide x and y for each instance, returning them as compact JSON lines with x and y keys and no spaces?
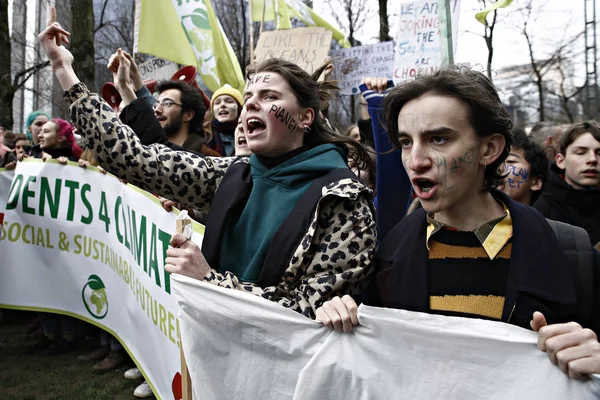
{"x":274,"y":194}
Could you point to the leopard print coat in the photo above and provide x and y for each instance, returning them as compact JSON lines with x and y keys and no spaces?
{"x":335,"y":256}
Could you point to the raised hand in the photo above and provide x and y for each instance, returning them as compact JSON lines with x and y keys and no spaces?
{"x":134,"y":73}
{"x":51,"y":40}
{"x":376,"y":84}
{"x":61,"y":59}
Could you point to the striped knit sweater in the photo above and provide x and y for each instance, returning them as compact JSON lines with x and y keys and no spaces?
{"x":463,"y":280}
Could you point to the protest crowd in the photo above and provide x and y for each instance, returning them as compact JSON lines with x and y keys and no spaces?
{"x":432,"y":202}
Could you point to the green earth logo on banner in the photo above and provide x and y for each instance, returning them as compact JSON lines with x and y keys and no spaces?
{"x":94,"y":297}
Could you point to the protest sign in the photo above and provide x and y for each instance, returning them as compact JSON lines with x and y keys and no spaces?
{"x":158,"y":69}
{"x":376,"y":60}
{"x":83,"y":244}
{"x":305,"y":47}
{"x":243,"y":346}
{"x":418,"y":38}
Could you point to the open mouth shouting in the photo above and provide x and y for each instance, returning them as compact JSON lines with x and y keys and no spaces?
{"x":241,"y":141}
{"x":223,"y":112}
{"x":425,"y":188}
{"x":256,"y":126}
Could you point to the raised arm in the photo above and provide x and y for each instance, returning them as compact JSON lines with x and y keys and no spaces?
{"x":394,"y":191}
{"x":180,"y":176}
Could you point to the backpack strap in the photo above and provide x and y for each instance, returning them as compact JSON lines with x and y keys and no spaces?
{"x":294,"y":227}
{"x":575,"y":243}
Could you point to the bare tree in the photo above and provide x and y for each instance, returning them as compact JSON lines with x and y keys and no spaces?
{"x":82,"y":46}
{"x":234,"y":18}
{"x":567,"y":92}
{"x":384,"y":27}
{"x":541,"y":66}
{"x":488,"y":36}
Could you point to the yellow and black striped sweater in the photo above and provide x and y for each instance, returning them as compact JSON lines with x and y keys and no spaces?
{"x":463,"y":280}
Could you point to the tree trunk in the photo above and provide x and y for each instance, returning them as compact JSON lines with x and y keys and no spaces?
{"x":7,"y":91}
{"x":82,"y":36}
{"x":540,"y":87}
{"x":384,"y":28}
{"x":489,"y":41}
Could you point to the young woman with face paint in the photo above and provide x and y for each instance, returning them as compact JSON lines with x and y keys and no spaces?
{"x":291,"y":223}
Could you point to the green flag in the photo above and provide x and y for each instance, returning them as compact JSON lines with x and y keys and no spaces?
{"x":481,"y":15}
{"x":189,"y":34}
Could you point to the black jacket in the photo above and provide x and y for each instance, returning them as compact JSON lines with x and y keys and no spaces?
{"x":139,"y":116}
{"x":59,"y":152}
{"x":561,"y":202}
{"x":540,"y":277}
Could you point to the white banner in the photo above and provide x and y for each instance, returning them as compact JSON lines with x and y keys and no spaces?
{"x":240,"y":346}
{"x":83,"y":244}
{"x":418,"y":38}
{"x":376,"y":60}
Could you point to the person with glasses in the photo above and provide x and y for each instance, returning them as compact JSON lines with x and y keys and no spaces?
{"x":178,"y":111}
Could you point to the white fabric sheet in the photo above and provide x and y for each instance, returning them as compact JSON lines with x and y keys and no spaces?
{"x":239,"y":346}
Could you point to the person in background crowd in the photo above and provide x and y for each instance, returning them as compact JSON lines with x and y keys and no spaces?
{"x":547,"y":135}
{"x":34,"y":123}
{"x":225,"y":106}
{"x":22,"y":144}
{"x":353,"y":132}
{"x":7,"y":157}
{"x":178,"y":113}
{"x":571,"y":194}
{"x":56,"y":140}
{"x":291,"y":147}
{"x":472,"y":251}
{"x":241,"y":144}
{"x":526,"y":170}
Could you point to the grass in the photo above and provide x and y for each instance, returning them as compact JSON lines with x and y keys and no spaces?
{"x":61,"y":377}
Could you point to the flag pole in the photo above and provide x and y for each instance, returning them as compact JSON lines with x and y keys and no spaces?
{"x":251,"y":33}
{"x":445,"y":18}
{"x":262,"y":21}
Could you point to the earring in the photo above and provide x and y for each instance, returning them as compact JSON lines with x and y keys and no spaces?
{"x":306,"y":129}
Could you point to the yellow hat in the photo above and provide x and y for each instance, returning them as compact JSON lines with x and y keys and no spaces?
{"x":228,"y":90}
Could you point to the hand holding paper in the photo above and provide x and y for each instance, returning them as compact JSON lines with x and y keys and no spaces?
{"x":185,"y":257}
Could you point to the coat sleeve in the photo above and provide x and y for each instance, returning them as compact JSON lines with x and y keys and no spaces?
{"x":334,"y":258}
{"x":394,"y":190}
{"x":178,"y":175}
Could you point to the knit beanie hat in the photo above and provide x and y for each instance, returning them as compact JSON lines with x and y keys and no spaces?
{"x":228,"y":90}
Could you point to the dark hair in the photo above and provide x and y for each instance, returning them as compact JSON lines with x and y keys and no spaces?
{"x":577,"y":130}
{"x":309,"y":93}
{"x":486,"y":111}
{"x":534,"y":156}
{"x":191,"y":100}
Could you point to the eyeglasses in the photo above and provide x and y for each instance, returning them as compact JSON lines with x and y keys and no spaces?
{"x":166,"y":103}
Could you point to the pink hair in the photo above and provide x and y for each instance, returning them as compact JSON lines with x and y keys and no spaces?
{"x":65,"y":130}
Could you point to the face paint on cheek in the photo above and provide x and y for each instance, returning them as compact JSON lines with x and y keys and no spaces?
{"x":284,"y":116}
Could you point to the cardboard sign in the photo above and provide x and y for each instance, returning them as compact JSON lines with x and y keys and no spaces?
{"x":418,"y":38}
{"x":158,"y":69}
{"x":351,"y":65}
{"x":305,"y":47}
